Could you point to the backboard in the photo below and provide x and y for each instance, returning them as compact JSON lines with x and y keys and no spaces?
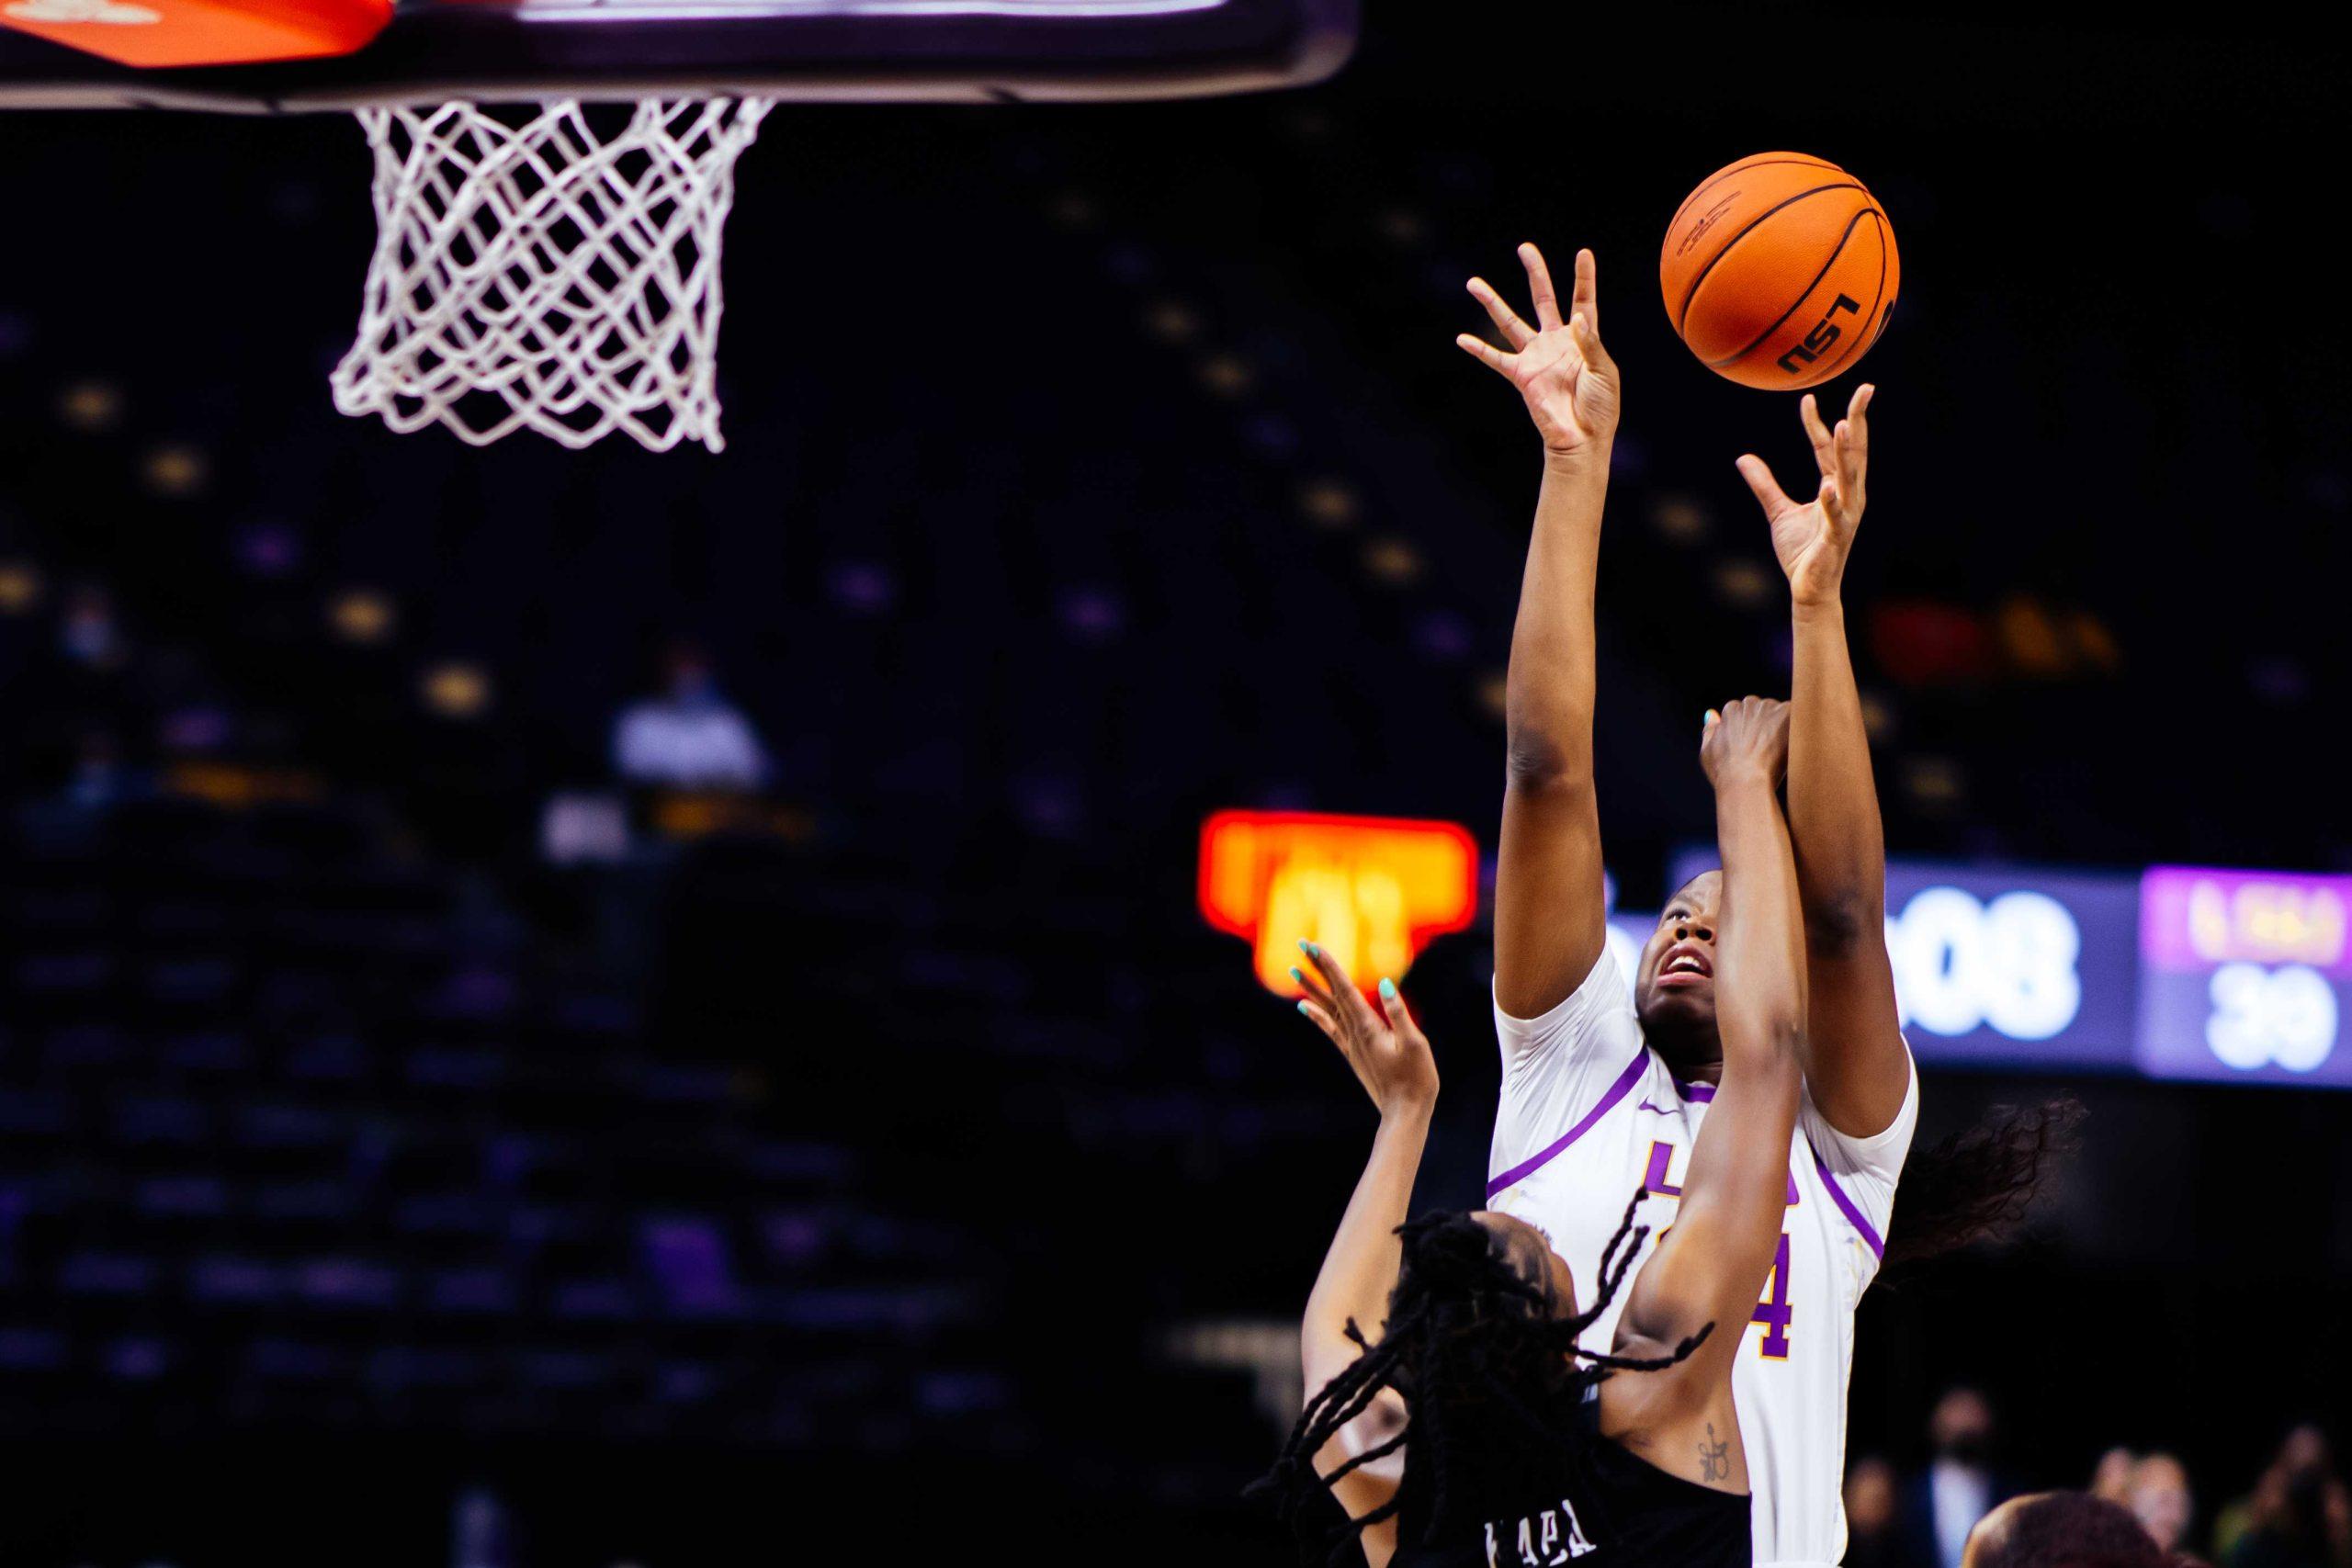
{"x":549,"y":260}
{"x":494,"y":50}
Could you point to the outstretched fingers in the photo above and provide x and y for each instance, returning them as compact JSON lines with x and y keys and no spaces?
{"x":1850,"y":457}
{"x":1825,"y":444}
{"x":1588,"y":341}
{"x":1856,"y":446}
{"x":1343,"y":992}
{"x":1539,"y":284}
{"x":1516,"y":332}
{"x":1321,"y":1007}
{"x":1486,"y":353}
{"x":1337,"y":994}
{"x":1767,"y":491}
{"x":1584,"y":298}
{"x":1316,"y":991}
{"x":1400,"y":1017}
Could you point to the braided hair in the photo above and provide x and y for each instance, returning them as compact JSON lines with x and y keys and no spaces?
{"x":1976,"y":1185}
{"x":1469,"y":1343}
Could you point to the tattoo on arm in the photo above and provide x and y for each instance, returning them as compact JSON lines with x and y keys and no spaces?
{"x":1714,"y":1458}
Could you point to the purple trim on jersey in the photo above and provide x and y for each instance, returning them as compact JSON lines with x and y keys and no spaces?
{"x":1617,"y":1091}
{"x":1846,"y":1205}
{"x":1702,"y":1092}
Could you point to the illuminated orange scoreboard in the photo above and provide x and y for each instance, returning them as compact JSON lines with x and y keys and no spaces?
{"x":1373,"y":890}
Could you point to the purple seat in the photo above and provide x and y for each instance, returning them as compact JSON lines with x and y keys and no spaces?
{"x":158,"y":1118}
{"x":185,"y":1196}
{"x":106,"y":1274}
{"x":235,"y":1280}
{"x":595,"y":1301}
{"x":31,"y":1350}
{"x":460,"y":1213}
{"x":297,"y":1360}
{"x":356,"y":1283}
{"x":687,"y":1257}
{"x":475,"y":1289}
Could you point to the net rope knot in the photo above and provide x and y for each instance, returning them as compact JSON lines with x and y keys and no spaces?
{"x":531,"y":271}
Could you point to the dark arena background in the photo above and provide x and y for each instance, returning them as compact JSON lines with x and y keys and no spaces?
{"x":420,"y":1143}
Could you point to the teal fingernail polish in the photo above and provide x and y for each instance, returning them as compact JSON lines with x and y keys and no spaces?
{"x":1296,"y":976}
{"x":1306,"y":947}
{"x":1302,"y":1006}
{"x":1388,"y":989}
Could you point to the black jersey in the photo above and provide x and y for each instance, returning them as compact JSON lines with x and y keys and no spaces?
{"x":1588,"y":1503}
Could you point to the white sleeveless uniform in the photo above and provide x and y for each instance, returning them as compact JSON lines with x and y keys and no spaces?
{"x":1589,"y":1114}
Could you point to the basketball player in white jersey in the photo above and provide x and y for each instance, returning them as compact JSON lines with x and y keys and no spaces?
{"x":1600,"y":1096}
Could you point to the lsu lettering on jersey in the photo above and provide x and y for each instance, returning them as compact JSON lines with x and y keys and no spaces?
{"x":1588,"y":1114}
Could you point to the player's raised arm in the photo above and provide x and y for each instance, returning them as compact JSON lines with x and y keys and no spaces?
{"x":1391,"y":1058}
{"x":1549,"y":908}
{"x":1857,"y":1067}
{"x":1714,"y":1260}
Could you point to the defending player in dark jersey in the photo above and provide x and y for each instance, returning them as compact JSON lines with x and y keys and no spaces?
{"x":1472,"y":1429}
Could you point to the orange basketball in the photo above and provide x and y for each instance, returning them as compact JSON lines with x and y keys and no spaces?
{"x":1779,"y":271}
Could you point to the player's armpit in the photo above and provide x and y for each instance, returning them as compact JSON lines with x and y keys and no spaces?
{"x":1858,"y":1070}
{"x":1550,"y":907}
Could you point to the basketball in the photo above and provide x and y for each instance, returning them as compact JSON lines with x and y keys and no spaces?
{"x":1779,"y":271}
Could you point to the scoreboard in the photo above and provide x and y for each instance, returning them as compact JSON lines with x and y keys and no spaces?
{"x":2244,"y":976}
{"x":2181,"y":972}
{"x":2199,"y":974}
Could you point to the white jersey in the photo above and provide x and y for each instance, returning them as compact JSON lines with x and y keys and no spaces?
{"x":1589,"y":1114}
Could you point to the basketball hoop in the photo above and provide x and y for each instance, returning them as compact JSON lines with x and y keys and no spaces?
{"x":553,"y":267}
{"x":532,"y":271}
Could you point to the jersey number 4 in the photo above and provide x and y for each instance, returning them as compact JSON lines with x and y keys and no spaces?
{"x":1774,"y":1311}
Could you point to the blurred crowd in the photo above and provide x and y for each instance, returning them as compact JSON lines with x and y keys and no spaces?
{"x":122,"y":703}
{"x":2297,"y":1512}
{"x":373,"y":1175}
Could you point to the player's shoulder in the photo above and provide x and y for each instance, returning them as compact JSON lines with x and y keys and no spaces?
{"x":1852,"y":1204}
{"x":1876,"y":1155}
{"x":1600,"y":1007}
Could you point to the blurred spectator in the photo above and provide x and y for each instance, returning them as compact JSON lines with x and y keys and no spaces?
{"x":1874,"y":1516}
{"x":2235,"y":1518}
{"x":1960,"y":1485}
{"x":2113,"y":1478}
{"x":2298,"y":1515}
{"x":2061,"y":1530}
{"x":480,"y":1535}
{"x":99,"y":778}
{"x":2160,"y":1499}
{"x":690,"y":737}
{"x":88,"y":632}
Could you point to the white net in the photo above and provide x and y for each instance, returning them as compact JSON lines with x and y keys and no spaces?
{"x":531,"y":270}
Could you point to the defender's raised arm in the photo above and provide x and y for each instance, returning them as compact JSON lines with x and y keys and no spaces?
{"x":1549,"y":907}
{"x":1391,"y":1058}
{"x":1714,"y":1259}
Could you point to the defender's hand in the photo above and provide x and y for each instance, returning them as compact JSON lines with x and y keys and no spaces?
{"x":1749,"y":738}
{"x":1390,"y":1054}
{"x":1812,"y":539}
{"x":1568,"y":380}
